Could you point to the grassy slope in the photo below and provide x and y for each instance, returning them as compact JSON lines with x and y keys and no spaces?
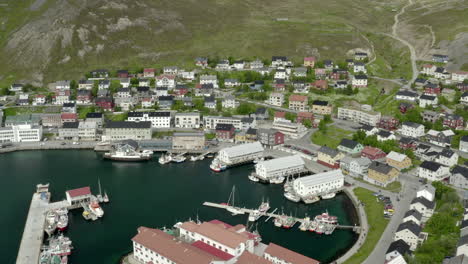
{"x":331,"y":138}
{"x":377,"y":224}
{"x":187,"y":29}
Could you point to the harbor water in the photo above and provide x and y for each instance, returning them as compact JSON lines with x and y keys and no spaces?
{"x":153,"y":195}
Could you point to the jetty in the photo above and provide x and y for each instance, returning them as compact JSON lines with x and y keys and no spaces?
{"x":230,"y":208}
{"x":201,"y":156}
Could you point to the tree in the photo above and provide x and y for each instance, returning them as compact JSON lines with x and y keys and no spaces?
{"x":327,"y":119}
{"x":290,"y":116}
{"x":219,"y":105}
{"x":134,"y":81}
{"x":322,"y":127}
{"x":359,"y":136}
{"x":438,"y":125}
{"x":307,"y":123}
{"x":245,"y":109}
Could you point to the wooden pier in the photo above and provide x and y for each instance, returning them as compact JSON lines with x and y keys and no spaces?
{"x":356,"y":229}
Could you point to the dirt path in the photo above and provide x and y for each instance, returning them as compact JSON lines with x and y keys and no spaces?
{"x":411,"y":47}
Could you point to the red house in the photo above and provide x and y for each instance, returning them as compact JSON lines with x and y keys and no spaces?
{"x":320,"y":73}
{"x":372,"y":153}
{"x":405,"y":107}
{"x":309,"y":62}
{"x":180,"y":91}
{"x":301,"y":116}
{"x":68,"y":117}
{"x":408,"y":143}
{"x":453,"y":121}
{"x":149,"y":72}
{"x":320,"y":84}
{"x":122,"y":74}
{"x":225,"y":132}
{"x":106,"y":103}
{"x":432,"y":89}
{"x":388,"y":123}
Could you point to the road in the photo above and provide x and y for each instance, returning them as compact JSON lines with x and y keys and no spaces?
{"x":267,"y":105}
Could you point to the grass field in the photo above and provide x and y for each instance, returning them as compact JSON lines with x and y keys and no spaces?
{"x":377,"y":224}
{"x":331,"y":138}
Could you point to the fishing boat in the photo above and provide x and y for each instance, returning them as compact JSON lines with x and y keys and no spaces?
{"x":254,"y":215}
{"x":164,"y":159}
{"x":305,"y":224}
{"x":86,"y":215}
{"x":278,"y":221}
{"x":277,"y":180}
{"x":64,"y":260}
{"x":128,"y":150}
{"x":95,"y":208}
{"x":216,"y":166}
{"x":291,"y":197}
{"x":329,"y":195}
{"x":312,"y":226}
{"x":289,"y":222}
{"x":320,"y":229}
{"x":51,"y":222}
{"x":60,"y":246}
{"x":311,"y":199}
{"x":193,"y":158}
{"x":62,"y":222}
{"x":178,"y":159}
{"x":325,"y":218}
{"x":264,"y":207}
{"x":253,"y":178}
{"x":231,"y":201}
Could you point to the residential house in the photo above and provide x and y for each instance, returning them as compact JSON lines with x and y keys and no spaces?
{"x":321,"y":107}
{"x":210,"y":102}
{"x":16,"y":87}
{"x":320,"y":84}
{"x":230,"y":102}
{"x":281,"y":74}
{"x":328,"y":64}
{"x":279,"y":116}
{"x":149,"y":72}
{"x":68,"y":117}
{"x":61,"y":97}
{"x":309,"y":62}
{"x":433,"y":171}
{"x":440,"y":138}
{"x":462,"y":246}
{"x":171,"y":70}
{"x":69,"y":131}
{"x":411,"y":129}
{"x":406,"y":95}
{"x":381,"y":174}
{"x":329,"y":157}
{"x":165,"y":102}
{"x":85,"y":84}
{"x":359,"y":81}
{"x":238,"y":65}
{"x":69,"y":108}
{"x":186,"y":75}
{"x":187,"y":120}
{"x":432,"y":89}
{"x":256,"y":64}
{"x":369,"y":130}
{"x":420,"y":82}
{"x":356,"y":167}
{"x":428,"y":69}
{"x":408,"y":232}
{"x":62,"y":85}
{"x":408,"y":143}
{"x":453,"y":121}
{"x":23,"y":99}
{"x":204,"y":90}
{"x":459,"y":177}
{"x":159,"y":119}
{"x":372,"y":153}
{"x":298,"y":102}
{"x":251,"y":135}
{"x":361,"y":116}
{"x":166,"y":80}
{"x":105,"y":103}
{"x":359,"y":67}
{"x":395,"y":251}
{"x":301,"y":116}
{"x":441,"y":73}
{"x":39,"y":99}
{"x":122,"y":74}
{"x":294,"y":130}
{"x":223,"y":65}
{"x":83,"y":97}
{"x":270,"y":137}
{"x":398,"y":160}
{"x":341,"y":84}
{"x":258,"y":85}
{"x":248,"y":122}
{"x":350,"y":146}
{"x":123,"y":93}
{"x":405,"y":106}
{"x":427,"y":191}
{"x":225,"y":132}
{"x":412,"y":215}
{"x":280,"y":61}
{"x":201,"y":62}
{"x":384,"y":135}
{"x":231,"y":82}
{"x":300,"y":87}
{"x":320,"y":73}
{"x":181,"y":90}
{"x":388,"y":123}
{"x":339,"y":74}
{"x":276,"y":99}
{"x":447,"y":157}
{"x":103,"y":84}
{"x":209,"y":79}
{"x":161,"y":91}
{"x":360,"y":56}
{"x":428,"y":100}
{"x":459,"y":76}
{"x":95,"y":117}
{"x":424,"y":206}
{"x":464,"y":98}
{"x":144,"y":82}
{"x":430,"y":116}
{"x":440,"y":58}
{"x":464,"y":144}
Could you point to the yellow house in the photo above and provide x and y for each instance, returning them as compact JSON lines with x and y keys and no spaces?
{"x":398,"y":160}
{"x":381,"y":174}
{"x":329,"y":157}
{"x":321,"y":107}
{"x":240,"y":137}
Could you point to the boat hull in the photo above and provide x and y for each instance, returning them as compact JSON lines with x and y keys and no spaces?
{"x":132,"y":159}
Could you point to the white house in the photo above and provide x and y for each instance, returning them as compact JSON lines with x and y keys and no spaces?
{"x":408,"y":232}
{"x":16,"y":87}
{"x":464,"y":144}
{"x":39,"y":99}
{"x":231,"y":82}
{"x":459,"y":76}
{"x":103,"y":84}
{"x":424,"y":206}
{"x":238,"y":65}
{"x":359,"y":67}
{"x":428,"y":69}
{"x":186,"y":75}
{"x":447,"y":157}
{"x":411,"y":129}
{"x":143,"y":82}
{"x":406,"y":95}
{"x":281,"y":74}
{"x":428,"y":100}
{"x":359,"y":81}
{"x":165,"y":80}
{"x":187,"y":120}
{"x":356,"y":167}
{"x":427,"y":191}
{"x":276,"y":99}
{"x":229,"y":102}
{"x":412,"y":215}
{"x":125,"y":82}
{"x":384,"y":135}
{"x":464,"y":98}
{"x":433,"y":171}
{"x":462,"y":246}
{"x":209,"y":79}
{"x":319,"y":184}
{"x":171,"y":70}
{"x":160,"y":119}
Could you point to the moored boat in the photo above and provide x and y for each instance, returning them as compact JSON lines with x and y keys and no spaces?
{"x":164,"y":159}
{"x":310,"y":199}
{"x":253,"y":178}
{"x":178,"y":159}
{"x":216,"y":166}
{"x":95,"y":208}
{"x":277,"y":180}
{"x":291,"y":197}
{"x":62,"y":222}
{"x":329,"y":195}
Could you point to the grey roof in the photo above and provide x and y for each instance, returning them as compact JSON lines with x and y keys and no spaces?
{"x":446,"y":152}
{"x":463,"y":241}
{"x":460,"y":170}
{"x":94,"y":115}
{"x":224,"y":127}
{"x":384,"y":133}
{"x":464,"y":224}
{"x":464,"y":138}
{"x":423,"y":201}
{"x":400,"y":246}
{"x":411,"y":226}
{"x":129,"y":142}
{"x":281,"y":163}
{"x":407,"y":140}
{"x":329,"y":151}
{"x":348,"y":143}
{"x":367,"y":127}
{"x":71,"y":124}
{"x":166,"y":98}
{"x":380,"y":167}
{"x":412,"y":124}
{"x":319,"y":102}
{"x":428,"y":188}
{"x":407,"y":93}
{"x":427,"y":97}
{"x":430,"y":165}
{"x":151,"y":114}
{"x":320,"y":178}
{"x":243,"y":149}
{"x":128,"y":124}
{"x":251,"y":131}
{"x":414,"y":213}
{"x":460,"y":259}
{"x":360,"y":77}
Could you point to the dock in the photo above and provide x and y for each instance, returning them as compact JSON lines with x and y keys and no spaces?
{"x":356,"y":229}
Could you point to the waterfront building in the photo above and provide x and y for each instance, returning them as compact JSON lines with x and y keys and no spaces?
{"x":87,"y":130}
{"x":241,"y":153}
{"x":350,"y":146}
{"x":69,"y":117}
{"x":361,"y":116}
{"x":225,"y":132}
{"x":20,"y":133}
{"x":329,"y":157}
{"x":25,"y":119}
{"x":210,"y":122}
{"x":424,"y":206}
{"x":270,"y":137}
{"x":294,"y":130}
{"x":51,"y":120}
{"x":77,"y":196}
{"x":281,"y":255}
{"x":160,"y":119}
{"x":120,"y":130}
{"x":433,"y":171}
{"x":233,"y":240}
{"x":319,"y":184}
{"x":69,"y":131}
{"x":408,"y":232}
{"x":187,"y":120}
{"x":279,"y":167}
{"x":97,"y":118}
{"x":381,"y":174}
{"x":188,"y":141}
{"x":398,"y":160}
{"x":356,"y":167}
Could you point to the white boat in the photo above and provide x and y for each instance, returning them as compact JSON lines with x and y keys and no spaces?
{"x":264,"y":207}
{"x":193,"y":158}
{"x":253,"y":178}
{"x":311,"y":199}
{"x":95,"y":208}
{"x":178,"y":159}
{"x":105,"y":198}
{"x":128,"y":150}
{"x":329,"y":195}
{"x":165,"y":158}
{"x":62,"y":221}
{"x":292,"y":197}
{"x":254,"y":216}
{"x":277,"y":180}
{"x":51,"y":222}
{"x":216,"y":166}
{"x":231,"y":206}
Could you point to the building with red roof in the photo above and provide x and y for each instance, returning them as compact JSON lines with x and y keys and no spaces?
{"x":298,"y":102}
{"x":373,"y":153}
{"x":77,"y":196}
{"x":301,"y":116}
{"x":69,"y":117}
{"x":148,"y":72}
{"x":279,"y":254}
{"x":309,"y":62}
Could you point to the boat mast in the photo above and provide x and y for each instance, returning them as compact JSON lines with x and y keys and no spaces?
{"x":99,"y":183}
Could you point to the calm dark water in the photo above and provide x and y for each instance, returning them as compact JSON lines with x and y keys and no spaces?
{"x":148,"y":194}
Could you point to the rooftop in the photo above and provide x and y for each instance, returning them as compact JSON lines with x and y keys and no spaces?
{"x":288,"y":255}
